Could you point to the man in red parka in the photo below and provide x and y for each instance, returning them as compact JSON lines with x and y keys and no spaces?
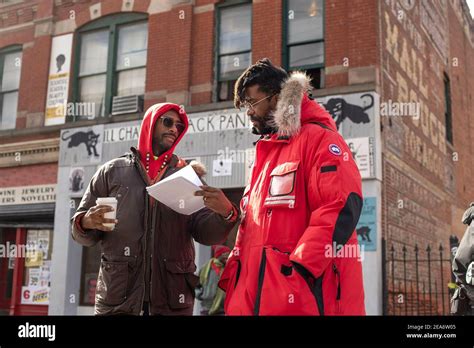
{"x":294,"y":250}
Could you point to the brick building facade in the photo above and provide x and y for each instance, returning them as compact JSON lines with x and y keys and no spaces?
{"x":401,"y":51}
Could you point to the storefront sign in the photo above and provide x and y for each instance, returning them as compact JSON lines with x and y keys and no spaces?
{"x":128,"y":133}
{"x":205,"y":122}
{"x":27,"y":194}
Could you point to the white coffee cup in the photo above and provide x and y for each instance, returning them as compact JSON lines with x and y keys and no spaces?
{"x":112,"y":202}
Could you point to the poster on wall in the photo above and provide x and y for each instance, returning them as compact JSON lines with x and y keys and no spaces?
{"x":90,"y":285}
{"x":35,"y":295}
{"x":76,"y":181}
{"x":81,"y":146}
{"x":362,"y":150}
{"x":43,"y":243}
{"x":45,"y":274}
{"x":222,"y":167}
{"x":367,"y":227}
{"x":58,"y":80}
{"x":33,"y":276}
{"x":34,"y":258}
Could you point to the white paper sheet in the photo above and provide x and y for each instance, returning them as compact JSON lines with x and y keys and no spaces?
{"x":177,"y":191}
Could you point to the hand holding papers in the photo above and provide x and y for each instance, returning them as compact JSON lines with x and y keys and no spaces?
{"x":177,"y":191}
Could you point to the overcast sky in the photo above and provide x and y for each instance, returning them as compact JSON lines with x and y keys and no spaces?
{"x":471,"y":7}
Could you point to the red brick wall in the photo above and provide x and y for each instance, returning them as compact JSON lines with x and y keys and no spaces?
{"x":38,"y":174}
{"x":351,"y":29}
{"x":424,"y":187}
{"x":267,"y":30}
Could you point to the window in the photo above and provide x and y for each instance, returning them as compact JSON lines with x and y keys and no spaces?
{"x":234,"y":55}
{"x":89,"y":273}
{"x":112,"y":58}
{"x":10,"y":68}
{"x":303,"y":38}
{"x":447,"y":113}
{"x":37,"y":271}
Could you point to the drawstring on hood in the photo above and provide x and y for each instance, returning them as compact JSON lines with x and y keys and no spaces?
{"x":294,"y":108}
{"x":154,"y":165}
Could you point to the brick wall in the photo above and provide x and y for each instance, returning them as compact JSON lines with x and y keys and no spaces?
{"x":38,"y":174}
{"x":425,"y":186}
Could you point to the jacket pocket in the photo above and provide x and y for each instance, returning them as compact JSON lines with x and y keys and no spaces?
{"x":112,"y":282}
{"x":281,"y":192}
{"x":281,"y":289}
{"x":181,"y":283}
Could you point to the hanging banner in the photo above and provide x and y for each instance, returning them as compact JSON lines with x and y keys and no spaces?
{"x":58,"y":81}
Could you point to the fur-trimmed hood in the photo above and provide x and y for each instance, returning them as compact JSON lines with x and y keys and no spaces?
{"x":295,"y":109}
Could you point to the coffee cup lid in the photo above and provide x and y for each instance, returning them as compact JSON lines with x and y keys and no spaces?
{"x":107,"y":200}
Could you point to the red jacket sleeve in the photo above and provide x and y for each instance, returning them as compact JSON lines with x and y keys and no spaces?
{"x":334,"y":190}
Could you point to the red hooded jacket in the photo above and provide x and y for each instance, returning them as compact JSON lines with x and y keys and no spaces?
{"x":300,"y":208}
{"x":145,"y":141}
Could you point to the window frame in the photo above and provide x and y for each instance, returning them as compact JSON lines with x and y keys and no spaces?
{"x":286,"y":47}
{"x":448,"y":113}
{"x":3,"y":52}
{"x":112,"y":23}
{"x":217,"y":55}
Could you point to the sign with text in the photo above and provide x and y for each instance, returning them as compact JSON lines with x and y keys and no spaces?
{"x":362,"y":150}
{"x":28,"y":194}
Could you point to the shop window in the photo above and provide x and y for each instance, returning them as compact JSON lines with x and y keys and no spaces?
{"x":89,"y":268}
{"x":37,"y":271}
{"x":89,"y":273}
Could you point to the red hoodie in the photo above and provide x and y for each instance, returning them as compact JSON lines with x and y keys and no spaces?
{"x":145,"y":141}
{"x":299,"y":211}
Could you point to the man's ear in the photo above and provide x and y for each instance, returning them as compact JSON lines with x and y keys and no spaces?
{"x":274,"y":101}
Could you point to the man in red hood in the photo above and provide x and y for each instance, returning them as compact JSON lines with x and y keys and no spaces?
{"x":147,"y":258}
{"x":296,"y":251}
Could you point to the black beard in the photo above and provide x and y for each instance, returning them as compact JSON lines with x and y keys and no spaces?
{"x":267,"y":129}
{"x":264,"y":131}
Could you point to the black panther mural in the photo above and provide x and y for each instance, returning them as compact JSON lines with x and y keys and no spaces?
{"x":340,"y":110}
{"x":89,"y":139}
{"x":364,"y":232}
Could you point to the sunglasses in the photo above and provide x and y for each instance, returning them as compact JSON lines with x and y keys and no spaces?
{"x":168,"y":122}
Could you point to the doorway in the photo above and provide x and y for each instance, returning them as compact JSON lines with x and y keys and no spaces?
{"x":7,"y":266}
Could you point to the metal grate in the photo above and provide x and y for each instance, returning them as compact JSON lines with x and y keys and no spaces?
{"x":127,"y":104}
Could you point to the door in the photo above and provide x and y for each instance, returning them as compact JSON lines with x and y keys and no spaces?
{"x":7,"y":265}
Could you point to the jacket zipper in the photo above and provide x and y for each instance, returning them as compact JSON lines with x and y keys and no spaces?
{"x":144,"y":257}
{"x":261,"y":275}
{"x":336,"y":271}
{"x":152,"y":238}
{"x":147,"y":204}
{"x":338,"y":294}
